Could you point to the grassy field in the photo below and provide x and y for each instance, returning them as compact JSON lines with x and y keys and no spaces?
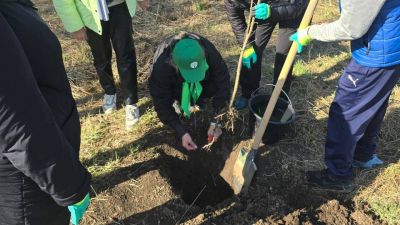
{"x":108,"y":149}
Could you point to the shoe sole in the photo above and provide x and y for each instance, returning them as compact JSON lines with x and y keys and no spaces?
{"x":109,"y":111}
{"x":344,"y":189}
{"x":131,"y":126}
{"x":335,"y":188}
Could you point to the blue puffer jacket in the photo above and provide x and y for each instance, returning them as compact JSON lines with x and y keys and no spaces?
{"x":380,"y":46}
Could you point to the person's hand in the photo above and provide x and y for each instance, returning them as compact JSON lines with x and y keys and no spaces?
{"x":143,"y":5}
{"x":188,"y":143}
{"x":214,"y":131}
{"x":80,"y":34}
{"x":249,"y":56}
{"x":79,"y":209}
{"x":260,"y":11}
{"x":302,"y":38}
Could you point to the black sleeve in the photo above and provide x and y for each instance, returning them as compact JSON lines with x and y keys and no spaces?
{"x":219,"y":74}
{"x":287,"y":10}
{"x":237,"y":20}
{"x":161,"y":90}
{"x":29,"y":136}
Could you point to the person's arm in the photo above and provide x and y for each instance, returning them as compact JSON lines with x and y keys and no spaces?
{"x":237,"y":20}
{"x":161,"y":90}
{"x":219,"y":74}
{"x":29,"y":135}
{"x":355,"y":19}
{"x":69,"y":15}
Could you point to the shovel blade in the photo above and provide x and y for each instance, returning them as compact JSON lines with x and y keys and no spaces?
{"x":243,"y":171}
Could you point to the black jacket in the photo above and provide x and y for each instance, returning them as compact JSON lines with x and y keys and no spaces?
{"x":39,"y":122}
{"x":280,"y":10}
{"x":165,"y":81}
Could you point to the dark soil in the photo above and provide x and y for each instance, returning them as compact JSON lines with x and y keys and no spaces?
{"x":174,"y":186}
{"x":196,"y":177}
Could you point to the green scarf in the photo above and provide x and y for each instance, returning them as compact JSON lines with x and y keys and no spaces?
{"x":190,"y":90}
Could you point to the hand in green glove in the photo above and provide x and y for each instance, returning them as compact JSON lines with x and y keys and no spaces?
{"x":79,"y":209}
{"x":260,"y":11}
{"x":302,"y":38}
{"x":249,"y":56}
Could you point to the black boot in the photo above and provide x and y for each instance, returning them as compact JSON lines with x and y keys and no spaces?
{"x":325,"y":180}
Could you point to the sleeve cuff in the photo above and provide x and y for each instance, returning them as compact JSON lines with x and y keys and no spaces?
{"x":313,"y":31}
{"x":180,"y":129}
{"x":215,"y":114}
{"x":77,"y":197}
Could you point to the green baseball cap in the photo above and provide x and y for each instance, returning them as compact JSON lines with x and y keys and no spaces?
{"x":189,"y":57}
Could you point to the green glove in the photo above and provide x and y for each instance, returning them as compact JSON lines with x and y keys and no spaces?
{"x":302,"y":38}
{"x":260,"y":11}
{"x":79,"y":209}
{"x":249,"y":56}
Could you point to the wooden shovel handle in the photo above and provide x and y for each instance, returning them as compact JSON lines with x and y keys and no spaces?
{"x":282,"y":76}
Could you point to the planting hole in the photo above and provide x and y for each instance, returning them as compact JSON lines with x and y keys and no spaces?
{"x":197,"y":170}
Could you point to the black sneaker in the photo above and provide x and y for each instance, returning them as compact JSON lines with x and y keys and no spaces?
{"x":241,"y":103}
{"x":201,"y":104}
{"x":324,"y":179}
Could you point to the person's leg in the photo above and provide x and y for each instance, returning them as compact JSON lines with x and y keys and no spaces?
{"x":366,"y":146}
{"x":121,"y":35}
{"x":361,"y":94}
{"x":11,"y":210}
{"x":286,"y":29}
{"x":23,"y":202}
{"x":101,"y":49}
{"x":100,"y":46}
{"x":39,"y":207}
{"x":250,"y":78}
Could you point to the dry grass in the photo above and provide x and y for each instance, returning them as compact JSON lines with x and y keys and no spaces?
{"x":316,"y":72}
{"x":383,"y":195}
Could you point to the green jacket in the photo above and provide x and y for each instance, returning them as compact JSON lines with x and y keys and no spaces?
{"x":76,"y":14}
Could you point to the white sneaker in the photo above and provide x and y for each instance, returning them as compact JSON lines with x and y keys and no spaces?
{"x":132,"y":116}
{"x":110,"y":103}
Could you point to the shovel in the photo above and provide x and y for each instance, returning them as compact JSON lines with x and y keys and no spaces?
{"x":244,"y":168}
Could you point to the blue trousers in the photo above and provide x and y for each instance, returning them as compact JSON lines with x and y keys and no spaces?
{"x":356,"y":115}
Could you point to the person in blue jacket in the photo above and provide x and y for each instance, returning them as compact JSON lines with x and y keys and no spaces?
{"x":361,"y":99}
{"x":42,"y":181}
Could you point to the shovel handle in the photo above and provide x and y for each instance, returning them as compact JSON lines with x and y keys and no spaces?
{"x":282,"y":76}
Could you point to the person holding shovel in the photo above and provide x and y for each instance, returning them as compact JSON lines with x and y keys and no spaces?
{"x":42,"y":181}
{"x":268,"y":14}
{"x":100,"y":23}
{"x":361,"y":99}
{"x":187,"y":69}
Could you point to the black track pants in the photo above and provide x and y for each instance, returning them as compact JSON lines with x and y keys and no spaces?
{"x":119,"y":30}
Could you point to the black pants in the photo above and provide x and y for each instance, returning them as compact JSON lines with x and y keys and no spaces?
{"x":119,"y":30}
{"x":22,"y":202}
{"x":250,"y":79}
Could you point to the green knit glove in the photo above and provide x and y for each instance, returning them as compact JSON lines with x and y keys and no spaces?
{"x":302,"y":38}
{"x":260,"y":11}
{"x":249,"y":56}
{"x":79,"y":209}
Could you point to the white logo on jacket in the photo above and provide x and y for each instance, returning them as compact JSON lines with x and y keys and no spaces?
{"x":193,"y":65}
{"x":352,"y":80}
